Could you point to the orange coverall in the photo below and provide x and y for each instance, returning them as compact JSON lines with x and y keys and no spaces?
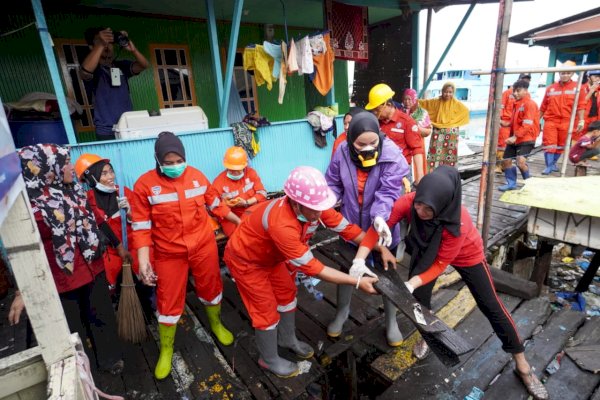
{"x":228,"y":189}
{"x":267,"y":249}
{"x":585,"y":90}
{"x":525,"y":122}
{"x":556,"y":108}
{"x":170,"y":214}
{"x":508,"y":102}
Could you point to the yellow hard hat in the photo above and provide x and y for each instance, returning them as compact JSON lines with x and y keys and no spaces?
{"x":378,"y":95}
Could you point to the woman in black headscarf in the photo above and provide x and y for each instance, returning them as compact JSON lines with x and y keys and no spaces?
{"x":441,"y":233}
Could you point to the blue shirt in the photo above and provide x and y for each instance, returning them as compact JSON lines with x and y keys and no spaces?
{"x":110,"y":101}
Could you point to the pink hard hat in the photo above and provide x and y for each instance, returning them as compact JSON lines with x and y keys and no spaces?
{"x":307,"y":186}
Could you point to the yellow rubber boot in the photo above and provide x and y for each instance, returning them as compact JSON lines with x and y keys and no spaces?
{"x":167,"y":338}
{"x":499,"y":158}
{"x":216,"y":326}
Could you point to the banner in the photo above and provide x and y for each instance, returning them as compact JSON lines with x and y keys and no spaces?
{"x":349,"y":31}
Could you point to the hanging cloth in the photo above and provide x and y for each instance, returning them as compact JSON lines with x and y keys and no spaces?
{"x":304,"y":56}
{"x":323,"y":64}
{"x":235,"y":108}
{"x":274,"y":50}
{"x":349,"y":27}
{"x":256,"y":59}
{"x":292,"y":61}
{"x":243,"y":137}
{"x":282,"y":73}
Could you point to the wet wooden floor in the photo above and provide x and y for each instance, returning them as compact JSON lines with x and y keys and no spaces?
{"x":359,"y":363}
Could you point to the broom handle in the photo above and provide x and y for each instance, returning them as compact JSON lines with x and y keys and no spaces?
{"x":121,"y":181}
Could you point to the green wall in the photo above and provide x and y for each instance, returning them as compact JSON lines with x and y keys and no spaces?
{"x":23,"y":67}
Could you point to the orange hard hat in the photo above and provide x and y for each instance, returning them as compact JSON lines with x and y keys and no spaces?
{"x":85,"y":161}
{"x":235,"y":158}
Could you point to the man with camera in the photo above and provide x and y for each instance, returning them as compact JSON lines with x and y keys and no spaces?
{"x":108,"y":78}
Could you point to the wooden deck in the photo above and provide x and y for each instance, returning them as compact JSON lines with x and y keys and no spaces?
{"x":359,"y":363}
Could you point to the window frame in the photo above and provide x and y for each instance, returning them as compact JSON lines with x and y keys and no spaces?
{"x":156,"y":68}
{"x":240,"y":51}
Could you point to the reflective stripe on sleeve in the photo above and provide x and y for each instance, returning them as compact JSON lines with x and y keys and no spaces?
{"x":265,"y":217}
{"x":214,"y":204}
{"x":527,"y":122}
{"x":303,"y":259}
{"x":341,"y":226}
{"x":138,"y":226}
{"x":248,"y":186}
{"x":263,"y":192}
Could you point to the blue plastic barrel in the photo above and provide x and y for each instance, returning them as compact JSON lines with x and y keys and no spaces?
{"x":27,"y":133}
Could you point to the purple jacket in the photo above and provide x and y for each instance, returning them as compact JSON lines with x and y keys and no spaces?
{"x":383,"y":186}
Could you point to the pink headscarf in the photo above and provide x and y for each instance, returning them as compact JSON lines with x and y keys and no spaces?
{"x":412,"y":93}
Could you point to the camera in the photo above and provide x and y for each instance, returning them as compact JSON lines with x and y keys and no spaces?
{"x":121,"y":39}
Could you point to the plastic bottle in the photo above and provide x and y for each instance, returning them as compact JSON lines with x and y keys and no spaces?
{"x":309,"y":283}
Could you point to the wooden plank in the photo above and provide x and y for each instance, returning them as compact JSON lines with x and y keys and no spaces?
{"x":21,"y":371}
{"x":570,"y":382}
{"x":63,"y":380}
{"x":541,"y":266}
{"x":559,"y":328}
{"x":508,"y":283}
{"x":26,"y":254}
{"x":394,"y":364}
{"x":424,"y":378}
{"x":487,"y":361}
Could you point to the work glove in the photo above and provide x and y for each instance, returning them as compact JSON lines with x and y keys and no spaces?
{"x":409,"y":287}
{"x":124,"y":204}
{"x":358,"y":269}
{"x":383,"y":230}
{"x":580,"y":125}
{"x":406,"y":184}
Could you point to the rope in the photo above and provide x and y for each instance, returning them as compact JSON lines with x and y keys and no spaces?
{"x":16,"y":30}
{"x":91,"y":391}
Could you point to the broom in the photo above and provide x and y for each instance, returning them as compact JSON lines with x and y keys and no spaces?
{"x":131,"y":325}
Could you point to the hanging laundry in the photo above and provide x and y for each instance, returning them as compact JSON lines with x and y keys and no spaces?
{"x":304,"y":56}
{"x":317,"y":45}
{"x":274,"y":50}
{"x":323,"y":65}
{"x":258,"y":60}
{"x":292,"y":62}
{"x":349,"y":31}
{"x":243,"y":137}
{"x":321,"y":124}
{"x":282,"y":73}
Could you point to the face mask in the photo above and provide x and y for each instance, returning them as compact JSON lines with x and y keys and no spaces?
{"x":235,"y":177}
{"x":173,"y":171}
{"x":301,"y":218}
{"x":104,"y":188}
{"x":368,"y":156}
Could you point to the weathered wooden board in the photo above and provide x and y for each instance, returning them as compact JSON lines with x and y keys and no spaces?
{"x":559,"y":328}
{"x":426,"y":377}
{"x":487,"y":361}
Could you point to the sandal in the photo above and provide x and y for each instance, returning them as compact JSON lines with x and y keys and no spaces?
{"x":535,"y":388}
{"x":421,"y":350}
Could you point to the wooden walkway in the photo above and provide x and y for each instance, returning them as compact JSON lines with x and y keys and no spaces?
{"x":359,"y":363}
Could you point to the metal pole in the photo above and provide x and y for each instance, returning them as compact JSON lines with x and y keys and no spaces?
{"x":415,"y":50}
{"x":233,"y":39}
{"x":42,"y":28}
{"x":427,"y":40}
{"x":448,"y":47}
{"x":486,"y":190}
{"x":214,"y":52}
{"x":567,"y":148}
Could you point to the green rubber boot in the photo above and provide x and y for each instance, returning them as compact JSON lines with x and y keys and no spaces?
{"x":167,"y":337}
{"x":214,"y":319}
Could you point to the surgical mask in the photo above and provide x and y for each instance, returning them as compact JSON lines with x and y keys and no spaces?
{"x":235,"y":177}
{"x":104,"y":188}
{"x":173,"y":171}
{"x":368,"y":156}
{"x":301,"y":218}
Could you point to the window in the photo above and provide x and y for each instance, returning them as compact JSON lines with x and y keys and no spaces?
{"x":245,"y":84}
{"x":173,"y":76}
{"x":70,"y":54}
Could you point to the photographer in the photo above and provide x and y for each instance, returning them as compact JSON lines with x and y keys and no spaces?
{"x":107,"y":78}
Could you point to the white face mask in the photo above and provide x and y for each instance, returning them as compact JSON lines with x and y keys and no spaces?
{"x":104,"y":188}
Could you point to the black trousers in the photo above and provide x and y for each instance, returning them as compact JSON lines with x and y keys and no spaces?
{"x":90,"y":313}
{"x":479,"y":281}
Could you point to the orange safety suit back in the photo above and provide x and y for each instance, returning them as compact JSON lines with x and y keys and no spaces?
{"x":271,"y":233}
{"x":171,"y":213}
{"x":525,"y":121}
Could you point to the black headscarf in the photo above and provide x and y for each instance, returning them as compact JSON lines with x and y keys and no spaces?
{"x":362,"y":122}
{"x":167,"y":142}
{"x":440,"y":190}
{"x":353,"y":111}
{"x":107,"y":202}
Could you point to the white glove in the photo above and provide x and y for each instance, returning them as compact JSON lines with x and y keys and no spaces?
{"x":124,"y":203}
{"x":359,"y":269}
{"x":385,"y":235}
{"x":580,"y":124}
{"x":409,"y":287}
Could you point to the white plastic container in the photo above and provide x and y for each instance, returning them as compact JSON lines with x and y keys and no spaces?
{"x":139,"y":124}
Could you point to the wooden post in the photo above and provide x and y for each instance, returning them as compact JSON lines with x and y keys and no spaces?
{"x":543,"y":259}
{"x":589,"y":274}
{"x":580,"y":170}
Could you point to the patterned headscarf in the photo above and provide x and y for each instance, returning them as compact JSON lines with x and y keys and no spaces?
{"x":63,"y":206}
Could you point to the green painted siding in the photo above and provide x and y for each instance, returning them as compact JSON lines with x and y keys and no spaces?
{"x":340,"y":83}
{"x":23,"y":66}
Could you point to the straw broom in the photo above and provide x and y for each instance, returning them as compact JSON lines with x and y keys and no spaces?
{"x":131,"y":325}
